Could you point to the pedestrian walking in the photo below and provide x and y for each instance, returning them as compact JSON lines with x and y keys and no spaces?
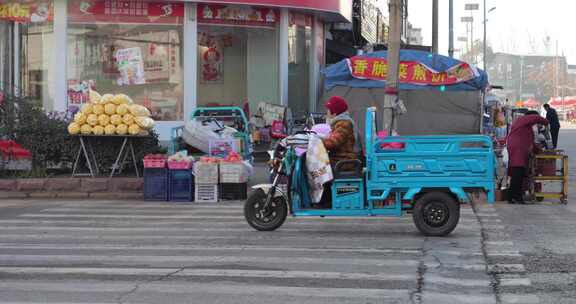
{"x":520,"y":144}
{"x":552,"y":117}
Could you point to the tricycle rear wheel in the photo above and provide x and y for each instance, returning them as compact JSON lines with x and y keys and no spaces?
{"x":265,"y":220}
{"x":436,"y":214}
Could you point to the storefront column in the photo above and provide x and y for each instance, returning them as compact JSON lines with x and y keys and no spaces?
{"x":283,"y":56}
{"x":16,"y":60}
{"x":190,"y":60}
{"x":60,"y":57}
{"x":314,"y":67}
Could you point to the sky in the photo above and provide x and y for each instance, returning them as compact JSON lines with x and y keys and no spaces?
{"x":515,"y":26}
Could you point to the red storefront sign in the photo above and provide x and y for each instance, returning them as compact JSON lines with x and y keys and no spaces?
{"x":113,"y":11}
{"x":411,"y":72}
{"x":27,"y":12}
{"x":237,"y":15}
{"x":341,"y":7}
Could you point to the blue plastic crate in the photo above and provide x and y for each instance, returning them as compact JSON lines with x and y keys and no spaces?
{"x":156,"y":184}
{"x":180,"y":185}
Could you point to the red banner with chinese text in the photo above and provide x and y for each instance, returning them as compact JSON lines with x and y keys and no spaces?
{"x":237,"y":15}
{"x":410,"y":72}
{"x":114,"y":11}
{"x":27,"y":12}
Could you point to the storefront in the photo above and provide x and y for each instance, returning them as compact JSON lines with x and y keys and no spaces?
{"x":169,"y":56}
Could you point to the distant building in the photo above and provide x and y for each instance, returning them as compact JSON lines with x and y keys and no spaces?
{"x":414,"y":35}
{"x":528,"y":76}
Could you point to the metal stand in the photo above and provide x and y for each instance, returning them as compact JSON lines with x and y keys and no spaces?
{"x":87,"y":151}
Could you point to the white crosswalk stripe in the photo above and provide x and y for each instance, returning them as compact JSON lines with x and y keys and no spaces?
{"x":144,"y":252}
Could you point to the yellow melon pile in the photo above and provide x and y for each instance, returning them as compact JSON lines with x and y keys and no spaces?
{"x":111,"y":115}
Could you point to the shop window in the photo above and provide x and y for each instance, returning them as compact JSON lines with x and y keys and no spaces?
{"x":299,"y":43}
{"x":129,"y":47}
{"x":26,"y":50}
{"x":237,"y":56}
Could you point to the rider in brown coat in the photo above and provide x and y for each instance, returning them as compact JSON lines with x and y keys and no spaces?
{"x":342,"y":140}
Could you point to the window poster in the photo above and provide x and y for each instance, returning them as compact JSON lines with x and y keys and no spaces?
{"x":131,"y":66}
{"x":212,"y":60}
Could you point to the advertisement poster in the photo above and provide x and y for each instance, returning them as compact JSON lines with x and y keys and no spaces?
{"x":212,"y":61}
{"x":33,"y":12}
{"x":79,"y":91}
{"x":161,"y":56}
{"x":131,"y":66}
{"x":114,"y":11}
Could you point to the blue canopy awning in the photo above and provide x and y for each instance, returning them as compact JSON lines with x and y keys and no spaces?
{"x":339,"y":74}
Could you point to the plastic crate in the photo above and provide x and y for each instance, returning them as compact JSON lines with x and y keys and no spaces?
{"x":233,"y":173}
{"x":179,"y":165}
{"x":206,"y":193}
{"x":206,"y":173}
{"x":156,"y":184}
{"x":181,"y":186}
{"x":234,"y":191}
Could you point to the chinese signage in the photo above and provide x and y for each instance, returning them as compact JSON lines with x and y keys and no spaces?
{"x":131,"y":66}
{"x":79,"y":91}
{"x":27,"y":12}
{"x":237,"y":15}
{"x":341,"y":7}
{"x":411,"y":72}
{"x":113,"y":11}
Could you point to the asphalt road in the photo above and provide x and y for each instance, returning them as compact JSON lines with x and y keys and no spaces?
{"x":150,"y":252}
{"x":545,"y":236}
{"x":144,"y":252}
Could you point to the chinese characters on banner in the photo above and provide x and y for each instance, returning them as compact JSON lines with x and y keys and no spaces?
{"x":131,"y":11}
{"x":131,"y":66}
{"x":29,"y":12}
{"x":411,"y":72}
{"x":212,"y":59}
{"x":237,"y":15}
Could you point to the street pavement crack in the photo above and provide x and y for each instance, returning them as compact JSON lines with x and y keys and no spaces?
{"x":124,"y":296}
{"x":416,"y":295}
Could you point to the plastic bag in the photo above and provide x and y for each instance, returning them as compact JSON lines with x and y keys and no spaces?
{"x":138,"y":110}
{"x":318,"y":168}
{"x":144,"y":122}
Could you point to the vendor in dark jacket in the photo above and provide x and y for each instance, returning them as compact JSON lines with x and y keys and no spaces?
{"x":552,"y":117}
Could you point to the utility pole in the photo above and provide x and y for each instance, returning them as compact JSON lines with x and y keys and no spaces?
{"x":451,"y":28}
{"x":393,"y":58}
{"x":435,"y":26}
{"x":484,"y":40}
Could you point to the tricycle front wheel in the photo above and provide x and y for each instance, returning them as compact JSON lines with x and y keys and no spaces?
{"x":262,"y":219}
{"x":436,"y":214}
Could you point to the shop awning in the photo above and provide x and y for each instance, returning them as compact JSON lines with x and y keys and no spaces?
{"x":419,"y":70}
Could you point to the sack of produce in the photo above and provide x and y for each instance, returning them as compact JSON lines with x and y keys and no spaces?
{"x":128,"y":119}
{"x":110,"y":109}
{"x":121,"y":129}
{"x":98,"y":130}
{"x":138,"y":110}
{"x":94,"y":97}
{"x":103,"y":120}
{"x":122,"y":109}
{"x":86,"y":129}
{"x":110,"y":130}
{"x":98,"y":109}
{"x":80,"y":118}
{"x":116,"y":119}
{"x":133,"y":129}
{"x":74,"y":128}
{"x":144,"y":122}
{"x":121,"y":99}
{"x":92,"y":119}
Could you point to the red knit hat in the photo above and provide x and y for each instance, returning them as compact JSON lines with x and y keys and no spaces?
{"x":337,"y":105}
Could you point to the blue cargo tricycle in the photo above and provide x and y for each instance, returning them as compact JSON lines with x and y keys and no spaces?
{"x":429,"y":176}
